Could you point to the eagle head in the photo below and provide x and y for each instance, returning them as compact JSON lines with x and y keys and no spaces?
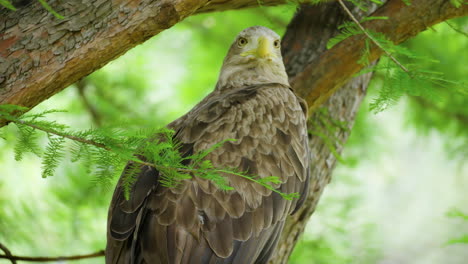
{"x":253,"y":58}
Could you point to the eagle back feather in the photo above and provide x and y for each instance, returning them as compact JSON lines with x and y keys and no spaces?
{"x":197,"y":222}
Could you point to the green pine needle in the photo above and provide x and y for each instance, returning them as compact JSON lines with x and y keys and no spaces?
{"x":104,"y":152}
{"x":50,"y":9}
{"x":52,"y":156}
{"x":7,"y":4}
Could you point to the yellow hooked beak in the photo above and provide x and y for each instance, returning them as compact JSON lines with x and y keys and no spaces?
{"x":263,"y":49}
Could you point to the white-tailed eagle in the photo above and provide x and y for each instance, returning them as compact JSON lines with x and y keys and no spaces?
{"x":197,"y":223}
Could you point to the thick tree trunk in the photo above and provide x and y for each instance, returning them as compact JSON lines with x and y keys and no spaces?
{"x":40,"y":55}
{"x":317,"y":73}
{"x":304,"y":44}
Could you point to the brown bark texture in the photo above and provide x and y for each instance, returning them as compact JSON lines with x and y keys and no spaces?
{"x":303,"y":45}
{"x":336,"y":66}
{"x":316,"y":74}
{"x":41,"y":55}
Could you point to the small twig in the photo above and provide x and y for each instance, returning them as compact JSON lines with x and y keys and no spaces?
{"x":81,"y":86}
{"x":136,"y":160}
{"x":98,"y":145}
{"x":122,"y":107}
{"x":8,"y":254}
{"x":93,"y":143}
{"x":372,"y":38}
{"x":456,"y":29}
{"x":57,"y":133}
{"x":14,"y":258}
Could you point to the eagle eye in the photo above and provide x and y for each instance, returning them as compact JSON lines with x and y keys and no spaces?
{"x":242,"y":42}
{"x":276,"y":43}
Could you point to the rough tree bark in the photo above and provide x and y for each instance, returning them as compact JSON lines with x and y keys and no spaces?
{"x":40,"y":55}
{"x":303,"y":44}
{"x":317,"y":73}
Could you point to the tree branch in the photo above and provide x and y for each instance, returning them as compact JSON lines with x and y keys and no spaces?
{"x":81,"y":87}
{"x":194,"y":169}
{"x":303,"y":45}
{"x":60,"y":134}
{"x":333,"y":68}
{"x":41,"y":55}
{"x":319,"y":74}
{"x":14,"y":258}
{"x":8,"y":254}
{"x":345,"y":8}
{"x":454,"y":28}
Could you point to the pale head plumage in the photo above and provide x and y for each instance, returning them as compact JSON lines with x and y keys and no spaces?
{"x":254,"y":58}
{"x":195,"y":222}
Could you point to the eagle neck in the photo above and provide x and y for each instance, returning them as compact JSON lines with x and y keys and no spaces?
{"x":247,"y":75}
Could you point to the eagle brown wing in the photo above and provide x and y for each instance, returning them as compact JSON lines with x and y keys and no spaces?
{"x":197,"y":222}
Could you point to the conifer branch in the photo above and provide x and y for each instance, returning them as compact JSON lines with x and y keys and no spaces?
{"x":372,"y":38}
{"x":60,"y":134}
{"x":172,"y":168}
{"x":92,"y":143}
{"x":98,"y":145}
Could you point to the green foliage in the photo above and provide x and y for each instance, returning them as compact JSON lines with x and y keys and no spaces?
{"x":7,"y":4}
{"x":329,"y":238}
{"x":53,"y":154}
{"x":27,"y":142}
{"x":105,"y":151}
{"x":365,"y":5}
{"x":317,"y":251}
{"x":418,"y":82}
{"x":439,"y":103}
{"x":323,"y":125}
{"x":399,"y":80}
{"x":50,"y":9}
{"x":163,"y":78}
{"x":10,"y":6}
{"x":457,"y":3}
{"x":457,"y":214}
{"x":461,"y":240}
{"x":349,"y":29}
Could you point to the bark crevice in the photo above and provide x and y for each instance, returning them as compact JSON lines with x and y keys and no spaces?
{"x":41,"y":55}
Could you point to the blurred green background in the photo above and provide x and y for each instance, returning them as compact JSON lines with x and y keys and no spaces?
{"x":391,"y":201}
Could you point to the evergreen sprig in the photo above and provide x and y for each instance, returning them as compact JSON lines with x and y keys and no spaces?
{"x":323,"y":125}
{"x":104,"y":152}
{"x":399,"y":79}
{"x":9,"y":5}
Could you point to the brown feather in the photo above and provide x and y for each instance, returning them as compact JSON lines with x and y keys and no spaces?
{"x":243,"y":227}
{"x":221,"y":238}
{"x":196,"y":222}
